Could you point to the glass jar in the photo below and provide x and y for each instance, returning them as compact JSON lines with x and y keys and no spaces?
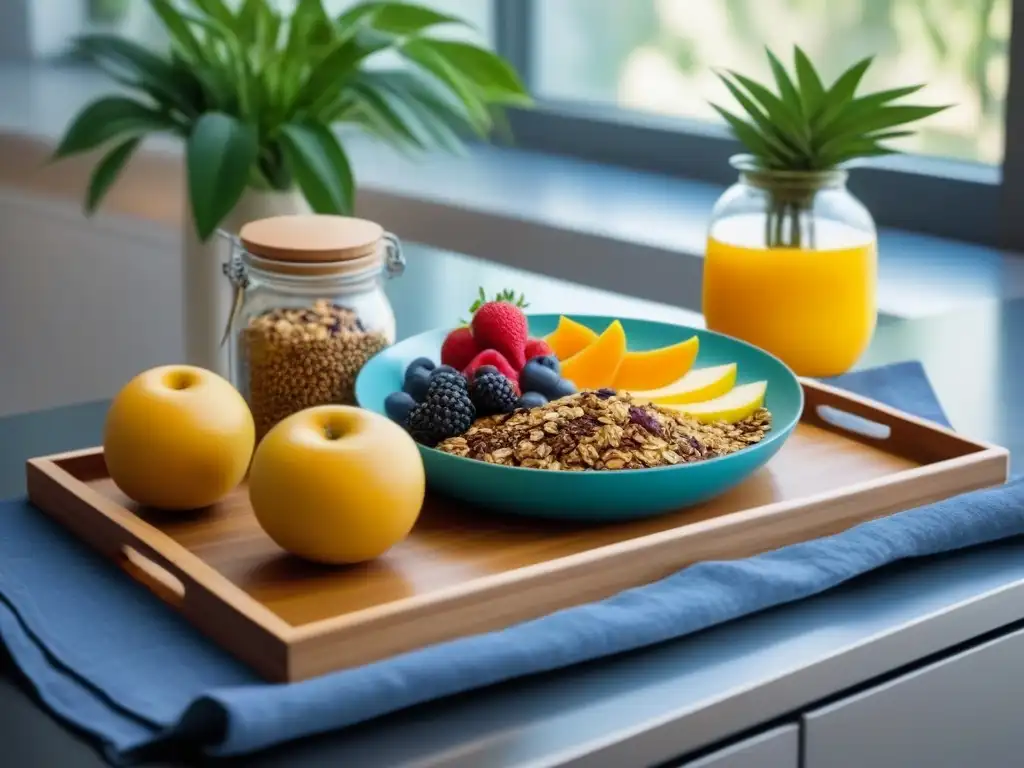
{"x":309,"y":310}
{"x":791,"y":267}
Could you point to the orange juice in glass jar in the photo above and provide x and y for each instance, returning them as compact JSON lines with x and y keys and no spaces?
{"x":791,"y":267}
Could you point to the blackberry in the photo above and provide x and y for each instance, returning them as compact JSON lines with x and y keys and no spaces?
{"x":446,"y":411}
{"x":449,"y":374}
{"x":493,"y":393}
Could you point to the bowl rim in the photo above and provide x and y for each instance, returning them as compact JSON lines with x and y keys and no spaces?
{"x":773,"y":436}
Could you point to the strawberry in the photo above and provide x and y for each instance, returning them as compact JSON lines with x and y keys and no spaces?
{"x":459,"y":348}
{"x":537,"y":348}
{"x":501,"y":325}
{"x":498,"y":360}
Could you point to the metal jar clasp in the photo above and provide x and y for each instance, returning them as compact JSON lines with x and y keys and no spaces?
{"x":394,"y":259}
{"x":238,"y":275}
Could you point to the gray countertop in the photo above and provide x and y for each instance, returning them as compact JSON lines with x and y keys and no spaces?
{"x":658,"y":704}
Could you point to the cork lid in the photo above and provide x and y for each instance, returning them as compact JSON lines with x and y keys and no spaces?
{"x":313,"y":239}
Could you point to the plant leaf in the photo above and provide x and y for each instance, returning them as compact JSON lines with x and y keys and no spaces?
{"x":842,"y":91}
{"x":338,"y":66}
{"x":107,"y":171}
{"x":179,"y":31}
{"x":787,"y":90}
{"x":491,"y":74}
{"x":106,"y":119}
{"x":216,"y":10}
{"x":769,"y":130}
{"x":392,"y":118}
{"x":454,"y":79}
{"x":220,"y":155}
{"x":786,"y":124}
{"x":860,"y":124}
{"x":133,"y":65}
{"x":751,"y":138}
{"x":811,"y":89}
{"x":408,"y":19}
{"x":320,"y":167}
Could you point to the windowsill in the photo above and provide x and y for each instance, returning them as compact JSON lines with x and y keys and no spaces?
{"x":637,"y":233}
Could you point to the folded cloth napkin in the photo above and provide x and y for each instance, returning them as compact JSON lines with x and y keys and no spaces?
{"x":106,"y":656}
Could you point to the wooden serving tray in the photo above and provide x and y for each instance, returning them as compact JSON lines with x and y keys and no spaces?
{"x":464,"y":571}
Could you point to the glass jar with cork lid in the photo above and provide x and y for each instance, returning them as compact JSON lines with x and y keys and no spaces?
{"x":309,"y":310}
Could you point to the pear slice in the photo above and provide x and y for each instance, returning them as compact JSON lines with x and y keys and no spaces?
{"x":696,"y":386}
{"x":731,"y":407}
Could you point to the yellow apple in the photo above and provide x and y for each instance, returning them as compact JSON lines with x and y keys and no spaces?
{"x":178,"y":437}
{"x":337,"y":484}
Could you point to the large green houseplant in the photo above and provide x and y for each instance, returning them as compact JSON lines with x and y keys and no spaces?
{"x":255,"y":95}
{"x":258,"y":95}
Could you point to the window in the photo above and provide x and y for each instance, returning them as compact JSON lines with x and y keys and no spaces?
{"x":658,"y":55}
{"x":628,"y":82}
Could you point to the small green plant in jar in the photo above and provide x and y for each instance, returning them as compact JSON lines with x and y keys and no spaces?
{"x":791,"y":258}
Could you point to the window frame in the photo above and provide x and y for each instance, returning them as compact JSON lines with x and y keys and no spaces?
{"x":907,"y":192}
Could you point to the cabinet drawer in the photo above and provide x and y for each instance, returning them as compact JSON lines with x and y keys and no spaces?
{"x":960,"y":712}
{"x":778,"y":748}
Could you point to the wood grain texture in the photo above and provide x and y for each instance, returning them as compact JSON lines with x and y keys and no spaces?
{"x":463,"y":571}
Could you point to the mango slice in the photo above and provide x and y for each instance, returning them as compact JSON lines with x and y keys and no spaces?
{"x":695,"y":386}
{"x":731,"y":407}
{"x":569,"y":338}
{"x":655,"y":368}
{"x":597,"y":365}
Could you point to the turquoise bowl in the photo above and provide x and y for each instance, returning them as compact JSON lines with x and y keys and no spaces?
{"x":599,"y":496}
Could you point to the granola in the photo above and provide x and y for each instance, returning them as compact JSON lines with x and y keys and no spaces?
{"x":597,"y":430}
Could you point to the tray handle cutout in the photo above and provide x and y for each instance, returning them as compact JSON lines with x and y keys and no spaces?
{"x":156,"y":578}
{"x":852,"y":422}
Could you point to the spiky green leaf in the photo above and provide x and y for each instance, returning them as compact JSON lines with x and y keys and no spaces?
{"x":770,"y":132}
{"x":787,"y":90}
{"x":753,"y":139}
{"x":812,"y":91}
{"x":842,"y":91}
{"x":788,"y":126}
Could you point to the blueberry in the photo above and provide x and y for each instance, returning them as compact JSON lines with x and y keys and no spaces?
{"x":421,"y":362}
{"x":548,"y":361}
{"x":562,"y":388}
{"x":538,"y":378}
{"x":485,"y":369}
{"x":417,"y":381}
{"x":443,"y":369}
{"x":397,"y":406}
{"x":531,"y":400}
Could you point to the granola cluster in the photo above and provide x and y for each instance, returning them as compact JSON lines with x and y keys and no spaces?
{"x":601,"y":430}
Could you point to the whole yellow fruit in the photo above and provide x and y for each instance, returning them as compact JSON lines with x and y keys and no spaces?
{"x":178,"y":437}
{"x":337,"y":484}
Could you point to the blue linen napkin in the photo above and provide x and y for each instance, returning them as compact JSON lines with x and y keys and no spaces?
{"x":108,"y":657}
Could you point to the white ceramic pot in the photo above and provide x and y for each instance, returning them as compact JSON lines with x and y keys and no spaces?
{"x":206,"y":290}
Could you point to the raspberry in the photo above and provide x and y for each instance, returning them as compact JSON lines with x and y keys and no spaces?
{"x":494,"y":359}
{"x":538,"y":348}
{"x":445,"y":412}
{"x":493,"y":393}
